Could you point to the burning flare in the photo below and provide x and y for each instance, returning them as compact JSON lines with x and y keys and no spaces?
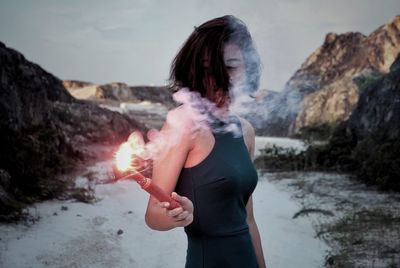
{"x":123,"y":157}
{"x":128,"y":155}
{"x":129,"y":160}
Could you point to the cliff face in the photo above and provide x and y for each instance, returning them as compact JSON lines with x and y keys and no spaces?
{"x":377,"y":114}
{"x":42,"y":127}
{"x":32,"y":97}
{"x":323,"y":90}
{"x":368,"y":143}
{"x":332,"y":104}
{"x":146,"y":104}
{"x":349,"y":54}
{"x":119,"y":92}
{"x":26,"y":92}
{"x":74,"y":84}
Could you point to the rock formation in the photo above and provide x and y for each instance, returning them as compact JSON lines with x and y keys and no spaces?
{"x":116,"y":92}
{"x":146,"y":104}
{"x":323,"y":90}
{"x":332,"y":104}
{"x":42,"y":128}
{"x":366,"y":145}
{"x":372,"y":134}
{"x":75,"y":84}
{"x":377,"y":114}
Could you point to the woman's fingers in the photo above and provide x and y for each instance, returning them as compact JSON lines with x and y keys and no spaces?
{"x":175,"y":212}
{"x":178,"y":214}
{"x":184,"y":201}
{"x":176,"y":196}
{"x":185,"y":221}
{"x":163,"y":204}
{"x":183,"y":215}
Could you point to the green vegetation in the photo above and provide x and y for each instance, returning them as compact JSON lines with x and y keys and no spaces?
{"x":378,"y":163}
{"x":317,"y":132}
{"x":368,"y":160}
{"x":367,"y":80}
{"x":278,"y":158}
{"x":360,"y":233}
{"x":332,"y":156}
{"x":34,"y":159}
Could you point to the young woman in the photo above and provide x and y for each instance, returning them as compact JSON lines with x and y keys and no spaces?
{"x":208,"y":167}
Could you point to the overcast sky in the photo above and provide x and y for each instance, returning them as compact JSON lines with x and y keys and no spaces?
{"x":134,"y":41}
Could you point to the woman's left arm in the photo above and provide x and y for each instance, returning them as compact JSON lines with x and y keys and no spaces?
{"x":249,"y":138}
{"x":255,"y":235}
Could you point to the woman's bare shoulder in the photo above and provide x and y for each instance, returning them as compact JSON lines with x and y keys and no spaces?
{"x":181,"y":123}
{"x":248,"y":136}
{"x":248,"y":129}
{"x":178,"y":118}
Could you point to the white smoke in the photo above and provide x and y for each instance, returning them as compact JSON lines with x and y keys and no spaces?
{"x":201,"y":114}
{"x":205,"y":114}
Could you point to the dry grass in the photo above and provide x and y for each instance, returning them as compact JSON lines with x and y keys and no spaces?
{"x":359,"y":223}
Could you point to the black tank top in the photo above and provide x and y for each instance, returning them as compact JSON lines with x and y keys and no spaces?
{"x":219,"y":188}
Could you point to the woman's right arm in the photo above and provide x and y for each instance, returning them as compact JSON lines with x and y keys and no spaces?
{"x":167,"y":165}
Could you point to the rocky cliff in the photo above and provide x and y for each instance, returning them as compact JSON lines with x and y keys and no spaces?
{"x":146,"y":104}
{"x":75,"y":84}
{"x":330,"y":105}
{"x":368,"y":143}
{"x":43,"y":128}
{"x":323,"y":90}
{"x":116,"y":92}
{"x":377,"y":114}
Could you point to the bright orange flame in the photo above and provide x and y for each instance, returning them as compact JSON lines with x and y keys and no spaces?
{"x":125,"y":156}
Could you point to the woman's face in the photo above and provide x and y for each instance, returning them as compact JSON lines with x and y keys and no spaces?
{"x":235,"y":65}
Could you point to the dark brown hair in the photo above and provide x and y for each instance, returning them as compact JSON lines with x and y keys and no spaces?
{"x":205,"y":45}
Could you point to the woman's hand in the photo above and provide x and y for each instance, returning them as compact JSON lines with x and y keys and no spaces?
{"x":181,"y":216}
